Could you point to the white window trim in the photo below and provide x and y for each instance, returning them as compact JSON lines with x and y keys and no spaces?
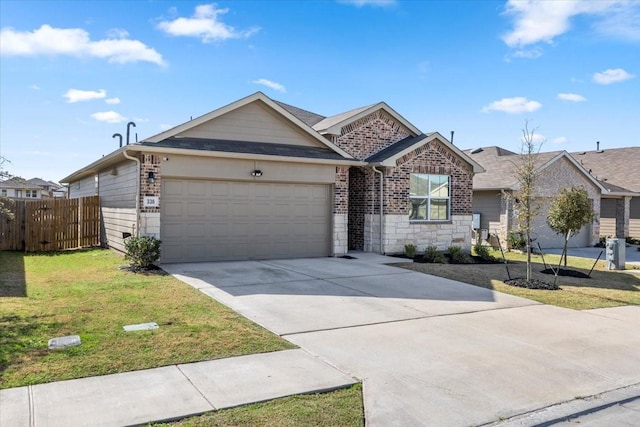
{"x":428,"y":198}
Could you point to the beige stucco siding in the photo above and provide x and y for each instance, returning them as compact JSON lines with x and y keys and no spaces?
{"x":240,"y":170}
{"x":253,"y":122}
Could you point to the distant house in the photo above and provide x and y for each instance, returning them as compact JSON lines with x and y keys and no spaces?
{"x":618,"y":170}
{"x":555,"y":170}
{"x":259,"y":179}
{"x":30,"y":189}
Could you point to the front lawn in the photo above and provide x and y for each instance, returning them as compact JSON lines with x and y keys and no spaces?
{"x":43,"y":296}
{"x":604,"y":288}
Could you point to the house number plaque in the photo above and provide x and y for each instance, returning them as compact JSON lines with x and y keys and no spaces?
{"x":151,"y":202}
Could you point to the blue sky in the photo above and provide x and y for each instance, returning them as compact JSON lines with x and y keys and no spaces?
{"x":74,"y":73}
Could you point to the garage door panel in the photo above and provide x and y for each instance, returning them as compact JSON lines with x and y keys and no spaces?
{"x":217,"y":220}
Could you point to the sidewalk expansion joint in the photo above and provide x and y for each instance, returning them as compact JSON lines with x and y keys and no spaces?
{"x":213,"y":407}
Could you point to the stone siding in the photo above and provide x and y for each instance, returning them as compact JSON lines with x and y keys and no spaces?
{"x":150,"y":224}
{"x":340,"y":235}
{"x":399,"y":231}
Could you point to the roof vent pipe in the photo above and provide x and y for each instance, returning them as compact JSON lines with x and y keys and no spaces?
{"x":452,"y":132}
{"x":119,"y":136}
{"x":128,"y":128}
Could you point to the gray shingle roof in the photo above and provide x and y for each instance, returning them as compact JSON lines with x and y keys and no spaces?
{"x":305,"y":116}
{"x":396,"y":148}
{"x":248,"y":147}
{"x":499,"y":165}
{"x":338,"y":118}
{"x":620,"y":167}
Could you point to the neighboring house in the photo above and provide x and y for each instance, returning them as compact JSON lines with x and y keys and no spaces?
{"x":30,"y":189}
{"x":618,"y":169}
{"x":555,"y":170}
{"x":262,"y":179}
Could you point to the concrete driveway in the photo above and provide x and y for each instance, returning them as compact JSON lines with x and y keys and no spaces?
{"x":430,"y":351}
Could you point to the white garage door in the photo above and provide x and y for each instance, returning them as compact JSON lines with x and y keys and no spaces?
{"x":221,"y":220}
{"x":548,"y":238}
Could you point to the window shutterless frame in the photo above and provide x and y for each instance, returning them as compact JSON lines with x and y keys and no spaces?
{"x":429,"y":197}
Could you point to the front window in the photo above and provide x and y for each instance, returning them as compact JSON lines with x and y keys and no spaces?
{"x":428,"y":197}
{"x":32,"y":193}
{"x":3,"y":193}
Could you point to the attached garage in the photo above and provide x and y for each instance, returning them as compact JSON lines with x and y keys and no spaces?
{"x":549,"y":239}
{"x":206,"y":220}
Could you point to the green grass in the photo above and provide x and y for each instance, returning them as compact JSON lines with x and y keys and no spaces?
{"x":604,"y":288}
{"x":338,"y":408}
{"x":84,"y":293}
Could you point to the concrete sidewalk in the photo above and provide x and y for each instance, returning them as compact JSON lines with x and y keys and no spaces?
{"x":170,"y":392}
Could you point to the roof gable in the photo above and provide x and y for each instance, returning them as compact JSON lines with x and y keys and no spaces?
{"x":500,"y":167}
{"x":333,"y":125}
{"x":201,"y":127}
{"x":390,"y":155}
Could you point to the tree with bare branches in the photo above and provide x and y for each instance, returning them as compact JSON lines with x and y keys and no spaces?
{"x":525,"y":204}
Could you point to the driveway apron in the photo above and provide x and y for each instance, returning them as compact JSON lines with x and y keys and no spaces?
{"x":430,"y":351}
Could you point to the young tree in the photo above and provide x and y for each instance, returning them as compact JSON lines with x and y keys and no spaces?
{"x":524,"y":198}
{"x":569,"y":212}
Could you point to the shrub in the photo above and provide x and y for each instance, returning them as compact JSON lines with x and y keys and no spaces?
{"x":410,"y":250}
{"x":142,"y":251}
{"x":516,"y":240}
{"x":432,"y":255}
{"x":632,"y":241}
{"x":482,"y":252}
{"x":456,"y":256}
{"x":601,"y":243}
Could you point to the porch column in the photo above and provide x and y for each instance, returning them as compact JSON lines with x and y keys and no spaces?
{"x":623,"y":208}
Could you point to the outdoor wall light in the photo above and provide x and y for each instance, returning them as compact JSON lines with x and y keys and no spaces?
{"x":151,"y":177}
{"x":256,"y":172}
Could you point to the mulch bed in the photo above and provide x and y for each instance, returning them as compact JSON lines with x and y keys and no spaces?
{"x":567,"y":273}
{"x":522,"y":282}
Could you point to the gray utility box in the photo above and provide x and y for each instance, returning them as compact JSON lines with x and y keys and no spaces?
{"x":615,"y":254}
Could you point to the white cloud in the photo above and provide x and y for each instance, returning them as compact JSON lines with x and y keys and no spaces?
{"x":270,"y":84}
{"x":374,"y":3}
{"x":205,"y":25}
{"x":109,"y":117}
{"x":117,"y":33}
{"x":165,"y":126}
{"x":573,"y":97}
{"x":77,"y":95}
{"x":112,"y":101}
{"x":140,"y":119}
{"x":534,"y":53}
{"x":515,"y":105}
{"x":35,"y":87}
{"x":560,"y":140}
{"x":612,"y":76}
{"x":47,"y":40}
{"x":542,"y":21}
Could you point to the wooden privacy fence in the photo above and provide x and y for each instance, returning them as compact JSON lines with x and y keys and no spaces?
{"x":51,"y":225}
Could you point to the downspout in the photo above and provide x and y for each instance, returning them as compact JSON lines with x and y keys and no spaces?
{"x":381,"y":208}
{"x":137,"y":160}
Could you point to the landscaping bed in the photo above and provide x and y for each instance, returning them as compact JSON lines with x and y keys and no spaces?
{"x":604,"y":288}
